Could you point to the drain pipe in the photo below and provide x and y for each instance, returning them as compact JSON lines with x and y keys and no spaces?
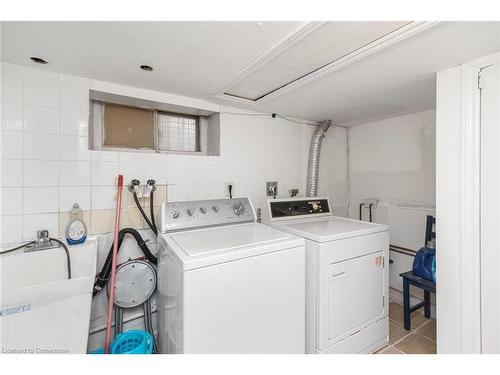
{"x":314,"y":154}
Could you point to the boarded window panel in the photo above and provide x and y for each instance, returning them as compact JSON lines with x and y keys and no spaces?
{"x":128,"y":127}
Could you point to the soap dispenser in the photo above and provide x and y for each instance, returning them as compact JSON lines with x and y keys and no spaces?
{"x":76,"y":231}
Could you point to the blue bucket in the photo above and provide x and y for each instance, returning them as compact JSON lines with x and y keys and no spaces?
{"x":130,"y":342}
{"x":133,"y":342}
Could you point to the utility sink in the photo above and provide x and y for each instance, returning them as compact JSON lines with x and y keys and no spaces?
{"x":41,"y":311}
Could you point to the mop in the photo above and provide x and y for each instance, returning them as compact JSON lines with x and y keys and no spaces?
{"x":113,"y":265}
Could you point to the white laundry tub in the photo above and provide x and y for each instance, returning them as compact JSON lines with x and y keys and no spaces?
{"x":41,"y":311}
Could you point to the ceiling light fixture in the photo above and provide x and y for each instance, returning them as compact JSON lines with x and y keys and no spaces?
{"x":38,"y":60}
{"x":147,"y":68}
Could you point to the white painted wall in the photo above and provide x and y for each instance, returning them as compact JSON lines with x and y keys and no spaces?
{"x":393,"y":160}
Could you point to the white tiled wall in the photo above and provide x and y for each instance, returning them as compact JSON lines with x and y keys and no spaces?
{"x":31,"y":109}
{"x":46,"y":164}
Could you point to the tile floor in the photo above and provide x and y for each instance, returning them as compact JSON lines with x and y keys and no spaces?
{"x":420,"y":340}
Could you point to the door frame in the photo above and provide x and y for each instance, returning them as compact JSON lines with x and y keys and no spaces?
{"x":458,"y":135}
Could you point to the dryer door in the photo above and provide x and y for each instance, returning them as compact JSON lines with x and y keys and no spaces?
{"x":352,"y":295}
{"x":355,"y":294}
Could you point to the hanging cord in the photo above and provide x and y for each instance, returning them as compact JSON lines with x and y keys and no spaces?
{"x":152,"y":211}
{"x":62,"y":244}
{"x":273,"y":115}
{"x":68,"y":258}
{"x":295,"y":121}
{"x":17,"y":248}
{"x":150,"y":224}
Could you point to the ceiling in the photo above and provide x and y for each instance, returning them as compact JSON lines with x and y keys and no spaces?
{"x":313,"y":49}
{"x":273,"y":65}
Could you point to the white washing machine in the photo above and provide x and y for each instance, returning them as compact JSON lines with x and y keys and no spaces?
{"x":226,"y":283}
{"x":347,"y":275}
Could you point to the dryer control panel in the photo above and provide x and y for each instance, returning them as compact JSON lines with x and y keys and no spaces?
{"x":298,"y":208}
{"x":196,"y":214}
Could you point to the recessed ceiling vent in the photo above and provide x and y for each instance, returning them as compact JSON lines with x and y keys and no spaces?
{"x":312,"y":49}
{"x":38,"y":60}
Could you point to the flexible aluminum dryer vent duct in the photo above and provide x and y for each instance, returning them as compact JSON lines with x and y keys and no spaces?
{"x":313,"y":163}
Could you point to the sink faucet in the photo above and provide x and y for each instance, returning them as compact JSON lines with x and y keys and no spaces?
{"x":42,"y":242}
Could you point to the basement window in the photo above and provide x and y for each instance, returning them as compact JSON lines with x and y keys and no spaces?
{"x":150,"y":127}
{"x":178,"y":132}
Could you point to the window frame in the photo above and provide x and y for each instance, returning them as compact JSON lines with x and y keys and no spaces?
{"x":96,"y":130}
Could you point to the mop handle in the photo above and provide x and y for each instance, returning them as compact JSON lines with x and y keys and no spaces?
{"x":113,"y":265}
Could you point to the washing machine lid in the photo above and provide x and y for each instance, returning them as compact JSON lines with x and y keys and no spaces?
{"x":330,"y":228}
{"x":213,"y":245}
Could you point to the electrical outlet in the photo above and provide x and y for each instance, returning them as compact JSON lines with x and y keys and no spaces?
{"x":227,"y":194}
{"x":271,"y":188}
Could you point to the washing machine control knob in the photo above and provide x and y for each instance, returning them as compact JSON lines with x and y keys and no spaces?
{"x":189,"y":212}
{"x":176,"y":214}
{"x":239,"y":208}
{"x":203,"y":210}
{"x":215,"y":209}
